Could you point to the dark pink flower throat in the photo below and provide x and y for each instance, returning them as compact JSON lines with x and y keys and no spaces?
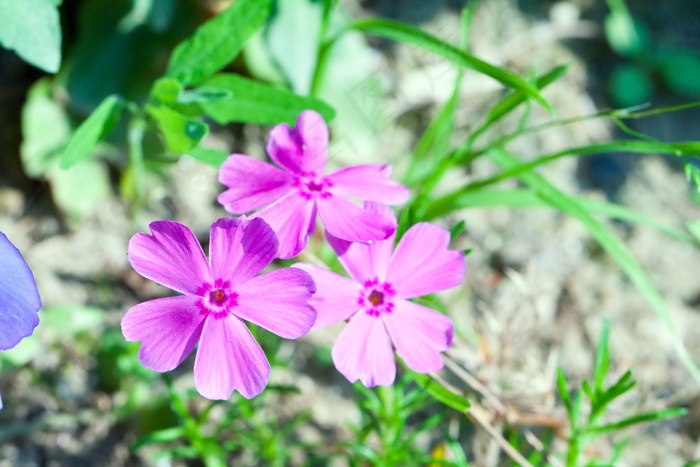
{"x":217,"y":299}
{"x":376,"y":297}
{"x":311,"y":185}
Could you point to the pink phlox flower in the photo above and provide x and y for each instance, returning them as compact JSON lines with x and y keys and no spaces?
{"x":297,"y":191}
{"x":219,"y":295}
{"x":375,"y":301}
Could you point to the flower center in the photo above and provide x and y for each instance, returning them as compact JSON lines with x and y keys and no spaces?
{"x":375,"y":297}
{"x":216,"y":299}
{"x":311,"y":185}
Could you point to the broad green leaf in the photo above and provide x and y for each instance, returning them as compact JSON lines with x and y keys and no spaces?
{"x":67,"y":320}
{"x":208,"y":156}
{"x":45,"y":130}
{"x":610,"y":243}
{"x":525,"y":198}
{"x":255,"y":102}
{"x":443,"y":395}
{"x":680,"y":71}
{"x":217,"y":42}
{"x":166,"y":90}
{"x":32,"y":29}
{"x":95,"y":128}
{"x":411,"y":35}
{"x":630,"y":85}
{"x":181,"y":133}
{"x":301,"y":20}
{"x":81,"y":188}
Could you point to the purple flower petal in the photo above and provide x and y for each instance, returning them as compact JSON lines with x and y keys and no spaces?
{"x":366,"y":262}
{"x":422,"y":264}
{"x":279,"y":302}
{"x":241,"y":248}
{"x":291,"y":217}
{"x":363,"y":351}
{"x":419,"y":335}
{"x":302,"y":148}
{"x":251,"y":184}
{"x":168,"y":328}
{"x":335,"y":298}
{"x":347,"y":221}
{"x":229,"y":358}
{"x":19,"y":297}
{"x":172,"y":256}
{"x":370,"y":182}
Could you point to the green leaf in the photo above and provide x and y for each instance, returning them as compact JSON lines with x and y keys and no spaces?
{"x":68,"y":320}
{"x":630,"y":85}
{"x":181,"y":132}
{"x":255,"y":102}
{"x":160,"y":436}
{"x":301,"y":20}
{"x":208,"y":156}
{"x":441,"y":394}
{"x":81,"y":188}
{"x":680,"y":71}
{"x":610,"y":243}
{"x":525,"y":198}
{"x":166,"y":90}
{"x":32,"y":29}
{"x":641,"y":418}
{"x":411,"y":35}
{"x":45,"y":130}
{"x":626,"y":35}
{"x":217,"y":42}
{"x":95,"y":128}
{"x":602,"y":357}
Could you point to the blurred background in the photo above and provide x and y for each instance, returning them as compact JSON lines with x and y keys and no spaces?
{"x":538,"y":286}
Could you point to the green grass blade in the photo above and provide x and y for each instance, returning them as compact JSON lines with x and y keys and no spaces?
{"x":641,"y":418}
{"x":511,"y":102}
{"x":526,"y":198}
{"x":440,"y":393}
{"x":610,"y":243}
{"x":411,"y":35}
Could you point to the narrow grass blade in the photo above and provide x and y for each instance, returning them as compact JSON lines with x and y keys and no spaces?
{"x":610,"y":243}
{"x":411,"y":35}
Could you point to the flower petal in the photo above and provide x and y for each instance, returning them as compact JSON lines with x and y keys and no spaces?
{"x":366,"y":262}
{"x":168,"y":329}
{"x":302,"y":148}
{"x":241,"y":248}
{"x":229,"y":358}
{"x":19,"y":297}
{"x":172,"y":256}
{"x":419,"y":335}
{"x":335,"y":298}
{"x":251,"y":183}
{"x":370,"y":182}
{"x":291,"y":217}
{"x":363,"y":351}
{"x":347,"y":221}
{"x":422,"y":264}
{"x":279,"y":302}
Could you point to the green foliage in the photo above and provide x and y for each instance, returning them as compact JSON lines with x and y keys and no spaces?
{"x":255,"y":102}
{"x":95,"y":128}
{"x":385,"y":414}
{"x":217,"y":42}
{"x":32,"y":29}
{"x":584,"y":428}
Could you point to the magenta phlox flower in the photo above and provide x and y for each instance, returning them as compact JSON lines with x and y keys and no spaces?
{"x":375,"y":303}
{"x":19,"y":297}
{"x":219,"y":295}
{"x":297,"y":190}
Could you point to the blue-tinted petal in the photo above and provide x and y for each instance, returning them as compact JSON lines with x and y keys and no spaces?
{"x":19,"y":298}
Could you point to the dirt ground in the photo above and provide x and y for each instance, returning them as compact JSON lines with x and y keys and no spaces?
{"x":537,"y":288}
